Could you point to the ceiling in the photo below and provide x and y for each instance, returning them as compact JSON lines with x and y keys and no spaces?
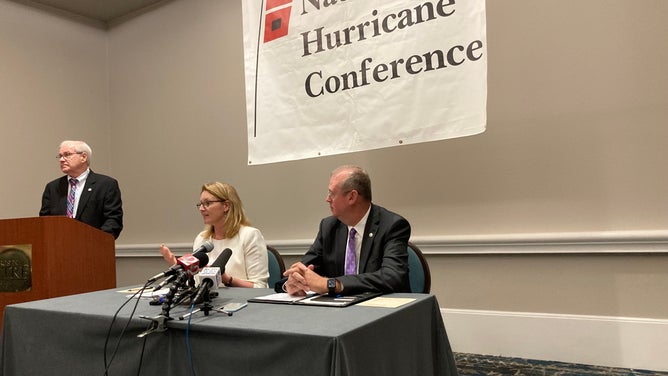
{"x":103,"y":12}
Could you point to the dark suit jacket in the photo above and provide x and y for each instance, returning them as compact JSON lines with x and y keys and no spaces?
{"x":100,"y":204}
{"x":383,"y":263}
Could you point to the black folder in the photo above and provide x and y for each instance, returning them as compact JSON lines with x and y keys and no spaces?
{"x":316,"y":299}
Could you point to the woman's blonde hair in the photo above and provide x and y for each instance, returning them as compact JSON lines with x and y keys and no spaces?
{"x":235,"y":218}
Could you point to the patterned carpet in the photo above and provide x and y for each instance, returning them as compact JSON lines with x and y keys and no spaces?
{"x":485,"y":365}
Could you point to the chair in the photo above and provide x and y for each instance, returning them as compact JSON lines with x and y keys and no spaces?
{"x":418,"y":270}
{"x":276,"y":266}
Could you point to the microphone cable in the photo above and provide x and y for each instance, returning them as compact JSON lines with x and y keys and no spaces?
{"x":141,"y":355}
{"x":190,"y":353}
{"x":107,"y":365}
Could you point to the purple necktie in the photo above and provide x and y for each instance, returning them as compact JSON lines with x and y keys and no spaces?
{"x":71,"y":197}
{"x":351,"y":259}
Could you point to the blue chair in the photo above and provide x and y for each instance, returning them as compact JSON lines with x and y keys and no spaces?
{"x":276,"y":266}
{"x":418,"y":270}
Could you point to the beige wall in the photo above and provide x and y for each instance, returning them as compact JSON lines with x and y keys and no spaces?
{"x":575,"y":133}
{"x":53,"y":86}
{"x":576,"y":142}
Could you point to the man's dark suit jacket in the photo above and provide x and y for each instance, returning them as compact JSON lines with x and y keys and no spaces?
{"x":100,"y":203}
{"x":383,"y":263}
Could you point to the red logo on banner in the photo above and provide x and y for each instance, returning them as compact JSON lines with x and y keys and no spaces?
{"x":271,"y":4}
{"x":276,"y":21}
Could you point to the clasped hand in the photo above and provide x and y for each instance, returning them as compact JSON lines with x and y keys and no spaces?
{"x":302,"y":279}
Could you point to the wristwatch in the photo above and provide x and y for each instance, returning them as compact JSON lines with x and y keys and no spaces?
{"x":331,"y":286}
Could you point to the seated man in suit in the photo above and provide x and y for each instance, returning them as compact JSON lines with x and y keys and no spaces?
{"x":91,"y":198}
{"x":361,"y":247}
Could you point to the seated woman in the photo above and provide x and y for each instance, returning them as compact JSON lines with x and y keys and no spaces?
{"x":226,"y":226}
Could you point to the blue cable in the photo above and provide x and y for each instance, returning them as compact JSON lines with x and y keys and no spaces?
{"x":190,"y":354}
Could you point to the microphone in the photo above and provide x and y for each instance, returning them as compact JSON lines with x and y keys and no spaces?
{"x":205,"y":248}
{"x":210,"y":276}
{"x":164,"y":283}
{"x":187,"y":263}
{"x":222,"y":260}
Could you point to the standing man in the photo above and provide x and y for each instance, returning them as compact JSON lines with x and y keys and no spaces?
{"x":82,"y":194}
{"x":361,"y":247}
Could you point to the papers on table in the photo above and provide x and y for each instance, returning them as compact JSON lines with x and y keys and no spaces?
{"x":147,"y":294}
{"x":386,"y":302}
{"x":282,"y":297}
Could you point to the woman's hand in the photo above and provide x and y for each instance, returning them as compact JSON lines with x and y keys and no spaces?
{"x":167,"y":255}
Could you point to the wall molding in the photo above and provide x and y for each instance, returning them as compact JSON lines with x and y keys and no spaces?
{"x":626,"y":342}
{"x":605,"y":242}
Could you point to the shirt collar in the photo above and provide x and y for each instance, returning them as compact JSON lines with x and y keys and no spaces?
{"x":359,"y":227}
{"x":82,"y":177}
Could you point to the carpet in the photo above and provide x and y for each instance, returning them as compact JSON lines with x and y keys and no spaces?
{"x":486,"y":365}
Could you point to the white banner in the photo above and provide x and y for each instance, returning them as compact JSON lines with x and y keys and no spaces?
{"x":327,"y":77}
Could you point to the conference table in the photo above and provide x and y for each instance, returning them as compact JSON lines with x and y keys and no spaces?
{"x":68,"y":336}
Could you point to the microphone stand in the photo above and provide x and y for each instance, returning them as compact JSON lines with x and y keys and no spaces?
{"x":206,"y":307}
{"x":159,"y":323}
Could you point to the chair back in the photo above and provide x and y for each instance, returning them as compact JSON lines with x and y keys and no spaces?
{"x":276,"y":266}
{"x":418,"y":270}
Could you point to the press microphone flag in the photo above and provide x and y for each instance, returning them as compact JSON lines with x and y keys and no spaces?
{"x":210,"y":277}
{"x":214,"y":271}
{"x":187,"y":263}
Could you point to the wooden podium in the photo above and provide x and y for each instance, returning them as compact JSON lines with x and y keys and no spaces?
{"x":67,"y":257}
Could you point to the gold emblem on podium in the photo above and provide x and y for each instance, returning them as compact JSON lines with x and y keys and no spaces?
{"x":16,"y":268}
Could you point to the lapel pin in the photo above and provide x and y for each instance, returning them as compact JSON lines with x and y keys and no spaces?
{"x":371,"y":234}
{"x":90,"y":189}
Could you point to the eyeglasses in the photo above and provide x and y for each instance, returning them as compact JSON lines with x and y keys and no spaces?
{"x":68,"y":155}
{"x":207,"y":203}
{"x":331,"y":195}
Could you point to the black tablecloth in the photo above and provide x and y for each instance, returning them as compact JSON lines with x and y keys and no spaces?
{"x":66,"y":336}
